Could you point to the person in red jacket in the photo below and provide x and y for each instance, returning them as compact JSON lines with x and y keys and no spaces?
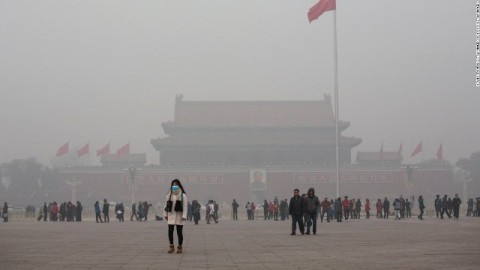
{"x":379,"y":206}
{"x":346,"y":207}
{"x":54,"y":211}
{"x":275,"y":211}
{"x":325,"y":208}
{"x":367,"y":208}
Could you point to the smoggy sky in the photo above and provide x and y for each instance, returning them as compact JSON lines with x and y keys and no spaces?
{"x":108,"y":71}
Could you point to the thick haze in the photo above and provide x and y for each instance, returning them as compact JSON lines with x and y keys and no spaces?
{"x":108,"y":71}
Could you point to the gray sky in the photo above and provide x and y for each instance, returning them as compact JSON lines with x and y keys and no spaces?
{"x":108,"y":71}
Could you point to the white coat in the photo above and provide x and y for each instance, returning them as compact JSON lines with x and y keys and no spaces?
{"x":175,"y":218}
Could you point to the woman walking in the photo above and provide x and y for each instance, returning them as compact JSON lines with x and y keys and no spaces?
{"x":175,"y":212}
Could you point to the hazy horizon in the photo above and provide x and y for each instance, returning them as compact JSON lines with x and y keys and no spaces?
{"x":109,"y":71}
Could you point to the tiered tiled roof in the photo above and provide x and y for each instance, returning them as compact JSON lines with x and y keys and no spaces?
{"x":251,"y":123}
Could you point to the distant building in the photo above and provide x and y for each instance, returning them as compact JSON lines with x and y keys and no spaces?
{"x":253,"y":150}
{"x":253,"y":133}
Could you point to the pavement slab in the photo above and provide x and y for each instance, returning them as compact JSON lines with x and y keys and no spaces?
{"x":259,"y":244}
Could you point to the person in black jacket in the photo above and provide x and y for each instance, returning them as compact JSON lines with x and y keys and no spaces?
{"x":312,"y":204}
{"x":438,"y":205}
{"x":296,"y":210}
{"x":5,"y":212}
{"x":445,"y":207}
{"x":45,"y":211}
{"x":386,"y":208}
{"x":338,"y":209}
{"x":106,"y":208}
{"x":78,"y":213}
{"x":134,"y":212}
{"x":421,"y":206}
{"x":456,"y":206}
{"x":235,"y":210}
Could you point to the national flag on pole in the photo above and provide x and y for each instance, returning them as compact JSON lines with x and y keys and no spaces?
{"x":440,"y":152}
{"x":381,"y":151}
{"x":104,"y":150}
{"x":84,"y":150}
{"x":417,"y":149}
{"x":63,"y":150}
{"x":319,"y":8}
{"x":124,"y":150}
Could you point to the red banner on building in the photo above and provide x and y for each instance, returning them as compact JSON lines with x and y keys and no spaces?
{"x":162,"y":179}
{"x":345,"y":178}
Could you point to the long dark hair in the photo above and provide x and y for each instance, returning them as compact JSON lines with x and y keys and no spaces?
{"x":179,"y":184}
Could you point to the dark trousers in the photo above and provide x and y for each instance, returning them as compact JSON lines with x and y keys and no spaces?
{"x":212,"y":216}
{"x":179,"y":234}
{"x":409,"y":213}
{"x":421,"y":214}
{"x":323,"y":213}
{"x":385,"y":213}
{"x":312,"y":220}
{"x":235,"y":215}
{"x":346,"y":213}
{"x":134,"y":214}
{"x":456,"y":211}
{"x":437,"y":210}
{"x":297,"y":219}
{"x":445,"y":211}
{"x":196,"y":218}
{"x":106,"y":218}
{"x":339,"y":216}
{"x":368,"y":214}
{"x":249,"y":214}
{"x":97,"y":217}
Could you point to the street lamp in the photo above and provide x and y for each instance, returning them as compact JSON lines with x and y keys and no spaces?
{"x":74,"y":183}
{"x":409,"y":169}
{"x":132,"y":171}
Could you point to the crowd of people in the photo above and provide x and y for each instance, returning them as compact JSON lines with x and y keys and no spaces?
{"x":66,"y":211}
{"x":304,"y":210}
{"x":278,"y":210}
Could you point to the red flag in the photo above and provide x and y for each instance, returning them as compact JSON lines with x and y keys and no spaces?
{"x":418,"y":149}
{"x":83,"y":150}
{"x":124,"y":150}
{"x":440,"y":152}
{"x":381,"y":151}
{"x":104,"y":150}
{"x":319,"y":8}
{"x":62,"y":150}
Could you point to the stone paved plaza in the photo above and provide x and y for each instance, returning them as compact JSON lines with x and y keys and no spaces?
{"x":259,"y":244}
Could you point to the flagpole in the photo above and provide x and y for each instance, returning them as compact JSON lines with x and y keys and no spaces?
{"x":337,"y":135}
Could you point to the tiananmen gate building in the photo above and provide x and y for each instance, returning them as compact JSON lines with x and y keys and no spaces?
{"x":255,"y":150}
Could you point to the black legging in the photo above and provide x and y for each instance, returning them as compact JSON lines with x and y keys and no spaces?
{"x":179,"y":234}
